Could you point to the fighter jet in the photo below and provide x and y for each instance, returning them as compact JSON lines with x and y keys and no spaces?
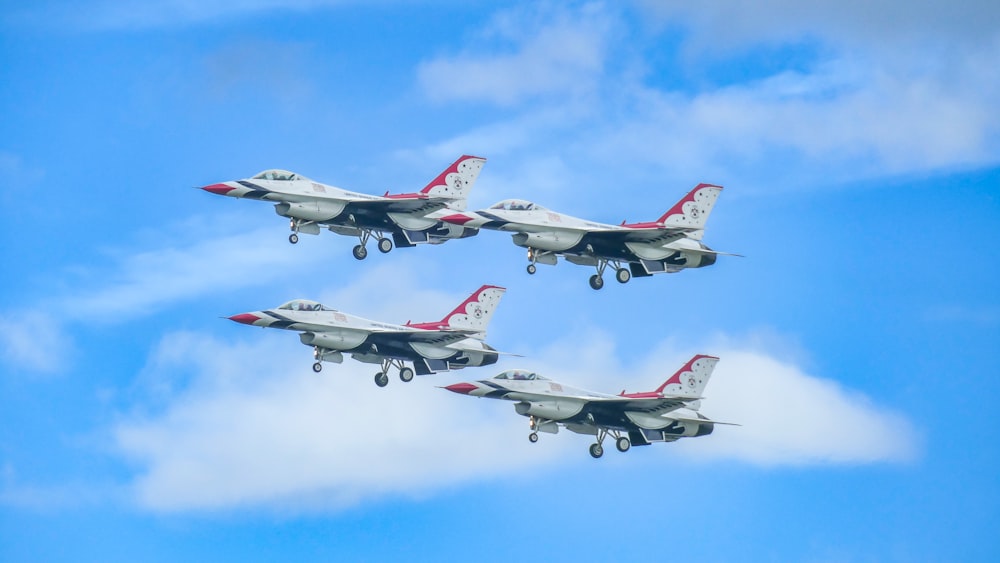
{"x":664,"y":415}
{"x":410,"y":218}
{"x":454,"y":342}
{"x":667,"y":245}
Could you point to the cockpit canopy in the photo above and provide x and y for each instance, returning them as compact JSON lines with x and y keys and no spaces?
{"x":280,"y":175}
{"x":519,"y":374}
{"x":516,"y":205}
{"x":304,"y":305}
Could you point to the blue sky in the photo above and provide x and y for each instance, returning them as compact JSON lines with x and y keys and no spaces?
{"x":859,"y":147}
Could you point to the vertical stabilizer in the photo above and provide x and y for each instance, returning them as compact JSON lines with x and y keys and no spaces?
{"x":692,"y":211}
{"x":475,"y":312}
{"x":690,"y":380}
{"x":456,"y":181}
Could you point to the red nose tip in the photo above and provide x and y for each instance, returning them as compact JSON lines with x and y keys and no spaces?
{"x":220,"y":189}
{"x":463,"y":388}
{"x":245,"y":318}
{"x":457,"y":218}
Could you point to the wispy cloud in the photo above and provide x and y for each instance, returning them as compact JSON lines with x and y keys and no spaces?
{"x":148,"y":280}
{"x":131,"y":15}
{"x":33,"y":341}
{"x":545,"y":51}
{"x":852,"y":111}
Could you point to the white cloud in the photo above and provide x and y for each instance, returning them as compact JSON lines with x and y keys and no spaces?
{"x":861,"y":106}
{"x":554,"y":52}
{"x":255,"y":427}
{"x":33,"y":341}
{"x":147,"y":14}
{"x":259,"y":428}
{"x":150,"y":279}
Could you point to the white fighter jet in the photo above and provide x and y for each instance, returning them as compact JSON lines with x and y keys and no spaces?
{"x":669,"y":244}
{"x":410,"y":218}
{"x":664,"y":415}
{"x":454,"y":342}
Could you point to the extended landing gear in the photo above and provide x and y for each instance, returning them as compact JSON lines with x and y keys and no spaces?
{"x":623,"y":275}
{"x":384,"y":244}
{"x":382,"y":377}
{"x":621,"y":442}
{"x":317,"y":367}
{"x":406,"y":375}
{"x":533,"y":437}
{"x":543,"y":256}
{"x":296,"y":225}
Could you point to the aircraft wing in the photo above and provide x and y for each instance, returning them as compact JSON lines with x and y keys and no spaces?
{"x":652,"y":234}
{"x":404,"y":203}
{"x":439,"y":337}
{"x":650,"y":405}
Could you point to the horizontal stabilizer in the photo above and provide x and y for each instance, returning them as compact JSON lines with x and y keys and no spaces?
{"x":703,"y":420}
{"x":712,"y":252}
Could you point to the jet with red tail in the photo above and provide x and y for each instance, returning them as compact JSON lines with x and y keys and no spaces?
{"x":669,"y":244}
{"x":454,"y":342}
{"x":408,"y":218}
{"x":632,"y":419}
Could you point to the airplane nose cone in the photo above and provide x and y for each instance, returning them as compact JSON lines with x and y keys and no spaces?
{"x":245,"y":318}
{"x":461,"y":388}
{"x":220,"y":189}
{"x":457,"y":218}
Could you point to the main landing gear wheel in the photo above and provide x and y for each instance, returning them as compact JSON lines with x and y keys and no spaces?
{"x":533,"y":437}
{"x":360,"y":252}
{"x":623,"y":275}
{"x":623,"y":444}
{"x":596,"y":281}
{"x":381,"y":379}
{"x":293,"y":238}
{"x":532,"y":269}
{"x":384,"y":245}
{"x":406,"y":375}
{"x":317,"y":367}
{"x":596,"y":451}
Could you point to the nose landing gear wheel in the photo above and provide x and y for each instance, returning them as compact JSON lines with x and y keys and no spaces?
{"x":596,"y":281}
{"x":317,"y":367}
{"x":533,"y":437}
{"x":381,"y":379}
{"x":531,"y":269}
{"x":360,"y":252}
{"x":623,"y":444}
{"x":384,"y":245}
{"x":293,"y":238}
{"x":623,"y":275}
{"x":406,"y":375}
{"x":596,"y":451}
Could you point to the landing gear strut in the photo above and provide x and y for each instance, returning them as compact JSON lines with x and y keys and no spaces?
{"x":295,"y":225}
{"x":621,"y":442}
{"x":382,"y":377}
{"x":360,"y":251}
{"x":623,"y":275}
